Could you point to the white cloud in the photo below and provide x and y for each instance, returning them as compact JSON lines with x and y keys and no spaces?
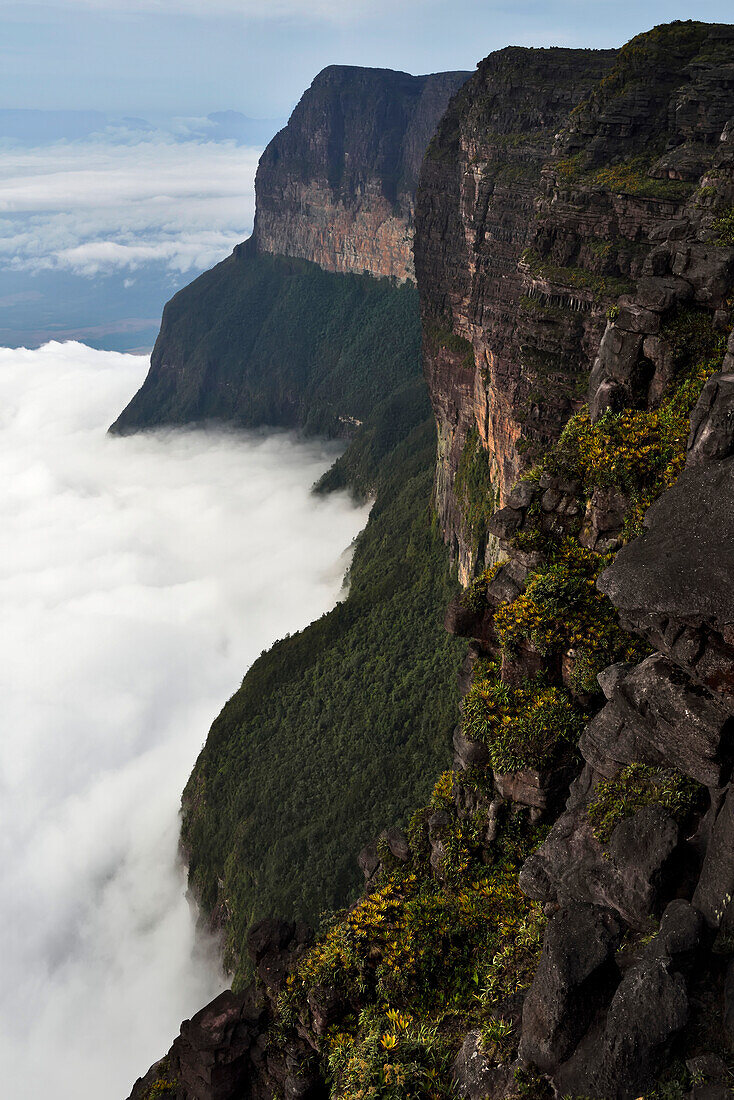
{"x":92,"y":207}
{"x":138,"y":579}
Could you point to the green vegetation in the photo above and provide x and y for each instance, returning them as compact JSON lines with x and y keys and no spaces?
{"x":474,"y":489}
{"x":637,"y":786}
{"x":632,"y":177}
{"x":642,"y":451}
{"x":562,"y":610}
{"x":337,"y":730}
{"x":601,"y":286}
{"x":422,"y":959}
{"x":524,"y":726}
{"x":444,"y":338}
{"x":264,"y":339}
{"x":723,"y":228}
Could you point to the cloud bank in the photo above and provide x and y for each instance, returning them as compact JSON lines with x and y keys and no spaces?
{"x":138,"y":579}
{"x":96,"y":207}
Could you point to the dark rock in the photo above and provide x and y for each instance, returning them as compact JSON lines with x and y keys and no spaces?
{"x":462,"y":620}
{"x":505,"y":523}
{"x":369,"y":860}
{"x":573,"y":978}
{"x":469,"y":754}
{"x":613,"y":368}
{"x":508,"y":582}
{"x":475,"y":1076}
{"x":572,"y":867}
{"x":708,"y":1069}
{"x":326,"y":1006}
{"x":611,"y":677}
{"x":466,"y":672}
{"x":712,"y":422}
{"x":211,"y":1057}
{"x":680,"y":934}
{"x":605,"y":514}
{"x":522,"y":495}
{"x":437,"y":826}
{"x":267,"y":936}
{"x":538,"y":789}
{"x":397,"y":842}
{"x":709,"y":270}
{"x":729,"y":1001}
{"x":623,"y":1058}
{"x":715,"y":889}
{"x":658,"y":715}
{"x":660,"y":294}
{"x":550,"y":500}
{"x":274,"y":945}
{"x":674,"y":582}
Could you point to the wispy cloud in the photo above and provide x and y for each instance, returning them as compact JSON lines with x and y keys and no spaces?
{"x":138,"y":579}
{"x":92,"y":207}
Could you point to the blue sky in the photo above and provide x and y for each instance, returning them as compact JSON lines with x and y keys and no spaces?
{"x":197,"y":56}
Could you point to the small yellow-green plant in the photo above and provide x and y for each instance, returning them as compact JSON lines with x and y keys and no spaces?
{"x":636,"y":786}
{"x":524,"y":726}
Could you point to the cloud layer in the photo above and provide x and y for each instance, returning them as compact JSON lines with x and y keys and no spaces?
{"x":104,"y":206}
{"x":138,"y":579}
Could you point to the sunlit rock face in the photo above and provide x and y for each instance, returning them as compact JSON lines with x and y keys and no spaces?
{"x":336,"y":185}
{"x":476,"y":205}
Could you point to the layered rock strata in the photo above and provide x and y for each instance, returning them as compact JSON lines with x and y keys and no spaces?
{"x":337,"y":185}
{"x":545,"y":196}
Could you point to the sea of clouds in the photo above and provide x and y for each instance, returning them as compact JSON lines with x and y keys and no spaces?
{"x":103,"y":218}
{"x":139,"y":577}
{"x":108,"y":203}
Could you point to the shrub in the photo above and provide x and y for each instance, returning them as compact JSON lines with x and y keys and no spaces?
{"x":637,"y":786}
{"x":723,"y":228}
{"x":562,"y":610}
{"x":523,"y":727}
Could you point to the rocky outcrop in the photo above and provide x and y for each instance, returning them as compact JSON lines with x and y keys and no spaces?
{"x":225,"y":1052}
{"x":551,"y":202}
{"x":337,"y":185}
{"x":275,"y":334}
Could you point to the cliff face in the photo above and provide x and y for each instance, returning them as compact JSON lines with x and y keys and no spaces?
{"x":337,"y":185}
{"x":557,"y":920}
{"x":516,"y":377}
{"x":539,"y":202}
{"x":275,"y":334}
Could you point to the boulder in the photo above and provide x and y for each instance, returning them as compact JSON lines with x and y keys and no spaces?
{"x":604,"y":517}
{"x":679,"y":936}
{"x":673,"y":584}
{"x":627,"y":875}
{"x":575,"y":974}
{"x":611,"y":677}
{"x":522,"y":496}
{"x":715,"y":889}
{"x":711,"y":436}
{"x":211,"y":1057}
{"x":505,"y":523}
{"x":622,"y":1058}
{"x":475,"y":1075}
{"x":658,"y":715}
{"x":397,"y":842}
{"x":469,"y":754}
